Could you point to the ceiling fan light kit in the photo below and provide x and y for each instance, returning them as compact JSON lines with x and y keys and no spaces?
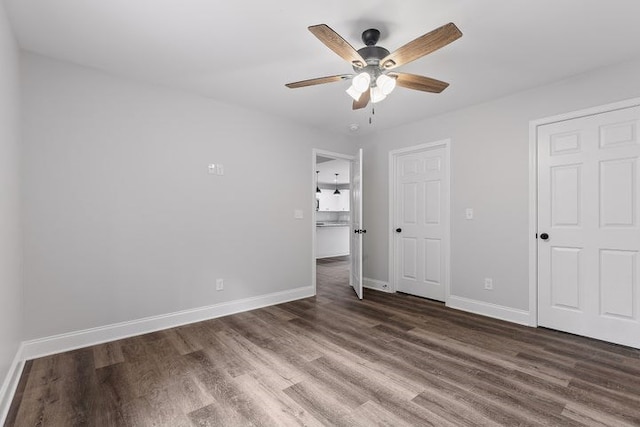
{"x":373,"y":80}
{"x":386,"y":83}
{"x":377,"y":95}
{"x":361,"y":82}
{"x":353,"y":93}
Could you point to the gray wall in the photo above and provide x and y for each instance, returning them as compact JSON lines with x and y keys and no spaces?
{"x":10,"y":236}
{"x":490,"y":172}
{"x":122,"y":220}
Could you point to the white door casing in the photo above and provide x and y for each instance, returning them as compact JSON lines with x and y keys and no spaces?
{"x":355,"y":278}
{"x":419,"y":185}
{"x":589,"y":206}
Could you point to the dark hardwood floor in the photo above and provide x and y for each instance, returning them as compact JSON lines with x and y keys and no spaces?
{"x":333,"y":360}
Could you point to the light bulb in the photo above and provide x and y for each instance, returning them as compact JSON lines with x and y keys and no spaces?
{"x":361,"y":82}
{"x":386,"y":83}
{"x":354,"y":93}
{"x":377,"y":95}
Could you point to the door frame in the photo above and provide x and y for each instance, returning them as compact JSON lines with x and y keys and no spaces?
{"x":533,"y":188}
{"x":334,"y":155}
{"x":393,"y":154}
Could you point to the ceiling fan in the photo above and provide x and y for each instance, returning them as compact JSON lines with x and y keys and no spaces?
{"x":373,"y":79}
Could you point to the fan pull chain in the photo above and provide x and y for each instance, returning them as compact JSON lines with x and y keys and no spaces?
{"x":373,"y":113}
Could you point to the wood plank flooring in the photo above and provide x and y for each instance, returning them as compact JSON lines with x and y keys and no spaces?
{"x":333,"y":360}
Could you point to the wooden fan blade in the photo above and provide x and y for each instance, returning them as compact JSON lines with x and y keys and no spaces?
{"x":363,"y":101}
{"x":318,"y":81}
{"x":425,"y":84}
{"x":333,"y":41}
{"x":422,"y":46}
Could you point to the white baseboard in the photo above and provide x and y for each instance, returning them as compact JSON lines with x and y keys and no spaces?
{"x":521,"y":317}
{"x":73,"y":340}
{"x":10,"y":384}
{"x":378,"y":285}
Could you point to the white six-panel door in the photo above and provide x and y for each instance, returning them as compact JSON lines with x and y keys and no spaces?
{"x":589,"y":206}
{"x":421,"y":222}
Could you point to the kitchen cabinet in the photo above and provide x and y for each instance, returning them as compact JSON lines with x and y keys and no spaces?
{"x":327,"y":201}
{"x":332,"y":241}
{"x":343,"y":202}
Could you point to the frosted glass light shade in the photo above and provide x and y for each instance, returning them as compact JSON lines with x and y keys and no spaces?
{"x":361,"y":82}
{"x":386,"y":83}
{"x":377,"y":95}
{"x":354,"y":93}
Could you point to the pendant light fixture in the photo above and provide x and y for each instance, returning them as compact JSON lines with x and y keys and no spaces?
{"x":317,"y":187}
{"x":337,"y":192}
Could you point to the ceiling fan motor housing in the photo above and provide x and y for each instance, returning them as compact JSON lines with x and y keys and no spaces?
{"x":372,"y":56}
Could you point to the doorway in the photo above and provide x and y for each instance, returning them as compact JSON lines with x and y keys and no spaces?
{"x":337,"y":193}
{"x":419,"y":239}
{"x":587,"y":223}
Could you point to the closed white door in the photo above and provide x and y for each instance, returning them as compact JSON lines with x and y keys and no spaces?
{"x":356,"y":229}
{"x":421,"y":222}
{"x":588,"y":225}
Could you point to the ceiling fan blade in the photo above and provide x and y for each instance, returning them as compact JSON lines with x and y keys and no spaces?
{"x":333,"y":41}
{"x":422,"y":46}
{"x":363,"y":101}
{"x":318,"y":81}
{"x":425,"y":84}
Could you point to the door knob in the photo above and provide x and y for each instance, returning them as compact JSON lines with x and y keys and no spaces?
{"x":544,"y":236}
{"x":398,"y":230}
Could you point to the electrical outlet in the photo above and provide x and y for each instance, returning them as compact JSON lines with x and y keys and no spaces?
{"x":219,"y":284}
{"x":488,"y":283}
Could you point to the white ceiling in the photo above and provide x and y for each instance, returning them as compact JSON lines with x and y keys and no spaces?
{"x":244,"y":51}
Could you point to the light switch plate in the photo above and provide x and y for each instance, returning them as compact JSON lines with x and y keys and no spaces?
{"x":468,"y":213}
{"x":298,"y":214}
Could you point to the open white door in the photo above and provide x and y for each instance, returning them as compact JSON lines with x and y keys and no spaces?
{"x":355,"y":279}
